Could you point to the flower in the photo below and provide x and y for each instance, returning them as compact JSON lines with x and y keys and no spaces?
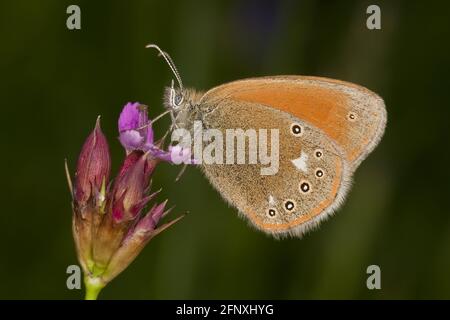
{"x":136,"y":133}
{"x":179,"y":154}
{"x":135,"y":128}
{"x":110,"y":222}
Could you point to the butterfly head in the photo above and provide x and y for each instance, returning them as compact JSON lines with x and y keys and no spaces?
{"x":180,"y":102}
{"x":183,"y":105}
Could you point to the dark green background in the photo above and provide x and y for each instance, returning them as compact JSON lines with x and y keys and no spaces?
{"x":54,"y":83}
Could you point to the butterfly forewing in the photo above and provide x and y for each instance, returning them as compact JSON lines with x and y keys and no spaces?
{"x":351,"y":115}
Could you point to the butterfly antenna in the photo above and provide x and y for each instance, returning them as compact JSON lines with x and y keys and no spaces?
{"x":169,"y":61}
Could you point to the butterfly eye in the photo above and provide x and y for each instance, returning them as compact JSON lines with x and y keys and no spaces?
{"x":296,"y":129}
{"x":175,"y":98}
{"x":178,"y":99}
{"x":304,"y":187}
{"x":319,"y":173}
{"x":289,"y":205}
{"x":272,"y":212}
{"x":318,"y":153}
{"x":352,"y":116}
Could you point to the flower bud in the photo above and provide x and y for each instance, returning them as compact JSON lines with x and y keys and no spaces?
{"x":130,"y":188}
{"x":93,"y":166}
{"x":137,"y":238}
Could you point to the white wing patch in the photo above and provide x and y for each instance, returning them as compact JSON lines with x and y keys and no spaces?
{"x":272,"y":200}
{"x":302,"y":162}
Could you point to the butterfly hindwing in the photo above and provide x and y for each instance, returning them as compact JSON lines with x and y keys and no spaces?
{"x":311,"y":179}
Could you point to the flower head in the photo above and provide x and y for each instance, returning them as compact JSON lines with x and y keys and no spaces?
{"x":111,"y":224}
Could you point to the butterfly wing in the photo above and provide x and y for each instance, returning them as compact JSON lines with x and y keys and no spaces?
{"x":351,"y":115}
{"x":312,"y":177}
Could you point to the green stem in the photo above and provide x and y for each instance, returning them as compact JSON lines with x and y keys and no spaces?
{"x":93,"y":287}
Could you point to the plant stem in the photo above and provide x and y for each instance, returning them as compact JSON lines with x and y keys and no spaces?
{"x":93,"y":287}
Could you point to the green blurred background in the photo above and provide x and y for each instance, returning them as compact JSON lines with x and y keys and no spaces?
{"x":54,"y":83}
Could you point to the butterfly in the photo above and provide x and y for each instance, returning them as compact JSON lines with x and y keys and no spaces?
{"x":326,"y":129}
